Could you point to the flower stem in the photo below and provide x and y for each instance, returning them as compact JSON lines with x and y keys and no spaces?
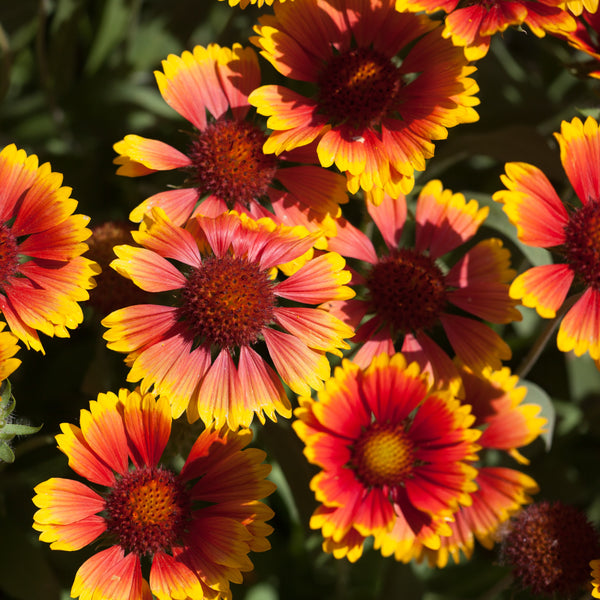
{"x":538,"y":347}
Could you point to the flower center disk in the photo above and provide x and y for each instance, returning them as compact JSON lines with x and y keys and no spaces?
{"x":228,"y":162}
{"x":582,"y":243}
{"x":383,"y":455}
{"x":9,"y":260}
{"x":358,"y":87}
{"x":147,"y":510}
{"x":407,"y":290}
{"x":227,"y":301}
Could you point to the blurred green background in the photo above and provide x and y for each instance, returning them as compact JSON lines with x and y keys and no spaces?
{"x":75,"y":77}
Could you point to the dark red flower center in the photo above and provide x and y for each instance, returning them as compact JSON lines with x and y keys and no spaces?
{"x":147,"y":510}
{"x":383,"y":455}
{"x":407,"y":290}
{"x":582,"y":244}
{"x":358,"y":87}
{"x":227,"y":301}
{"x":228,"y":162}
{"x":9,"y":259}
{"x":549,"y":547}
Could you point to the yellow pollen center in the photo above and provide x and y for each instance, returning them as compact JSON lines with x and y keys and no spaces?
{"x":383,"y":455}
{"x":152,"y":504}
{"x":147,"y":510}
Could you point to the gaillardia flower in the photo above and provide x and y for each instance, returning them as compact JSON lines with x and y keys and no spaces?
{"x":549,"y":547}
{"x":193,"y":529}
{"x":507,"y":424}
{"x":228,"y":298}
{"x":224,"y":161}
{"x":384,"y":85}
{"x":571,"y":231}
{"x":406,"y":292}
{"x":472,"y":24}
{"x":42,"y":273}
{"x":394,"y":454}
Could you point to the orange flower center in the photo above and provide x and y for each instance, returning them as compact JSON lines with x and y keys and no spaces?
{"x":228,"y":162}
{"x":227,"y":301}
{"x":383,"y":455}
{"x":147,"y":510}
{"x":407,"y":290}
{"x":582,"y":245}
{"x":9,"y":261}
{"x":358,"y":87}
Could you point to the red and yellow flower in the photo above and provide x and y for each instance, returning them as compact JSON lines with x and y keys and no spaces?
{"x":472,"y":24}
{"x":43,"y":276}
{"x":507,"y":424}
{"x":372,"y":115}
{"x":395,"y":455}
{"x":406,"y":292}
{"x":572,"y":231}
{"x":195,"y":528}
{"x":230,"y":296}
{"x":224,"y":161}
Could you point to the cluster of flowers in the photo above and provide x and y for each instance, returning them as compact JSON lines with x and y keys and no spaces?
{"x":252,"y":277}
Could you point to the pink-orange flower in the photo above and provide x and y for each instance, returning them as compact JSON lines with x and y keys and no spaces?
{"x":374,"y":115}
{"x":507,"y":424}
{"x":194,"y":528}
{"x":395,"y":455}
{"x":404,"y":294}
{"x":224,"y":160}
{"x":43,"y":276}
{"x":572,"y":231}
{"x":472,"y":24}
{"x":227,"y":299}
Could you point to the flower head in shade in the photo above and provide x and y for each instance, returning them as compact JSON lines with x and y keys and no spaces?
{"x":571,"y":231}
{"x":405,"y":293}
{"x":193,"y":529}
{"x":228,"y":302}
{"x":393,"y":453}
{"x":507,"y":424}
{"x":549,"y":547}
{"x":224,"y":161}
{"x":472,"y":24}
{"x":112,"y":291}
{"x":384,"y":86}
{"x":43,"y":276}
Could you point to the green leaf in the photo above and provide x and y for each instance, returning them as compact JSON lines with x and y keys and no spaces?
{"x":110,"y":33}
{"x":6,"y":453}
{"x":536,"y":395}
{"x":16,"y":429}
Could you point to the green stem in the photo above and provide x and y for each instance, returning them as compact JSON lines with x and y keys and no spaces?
{"x":538,"y":347}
